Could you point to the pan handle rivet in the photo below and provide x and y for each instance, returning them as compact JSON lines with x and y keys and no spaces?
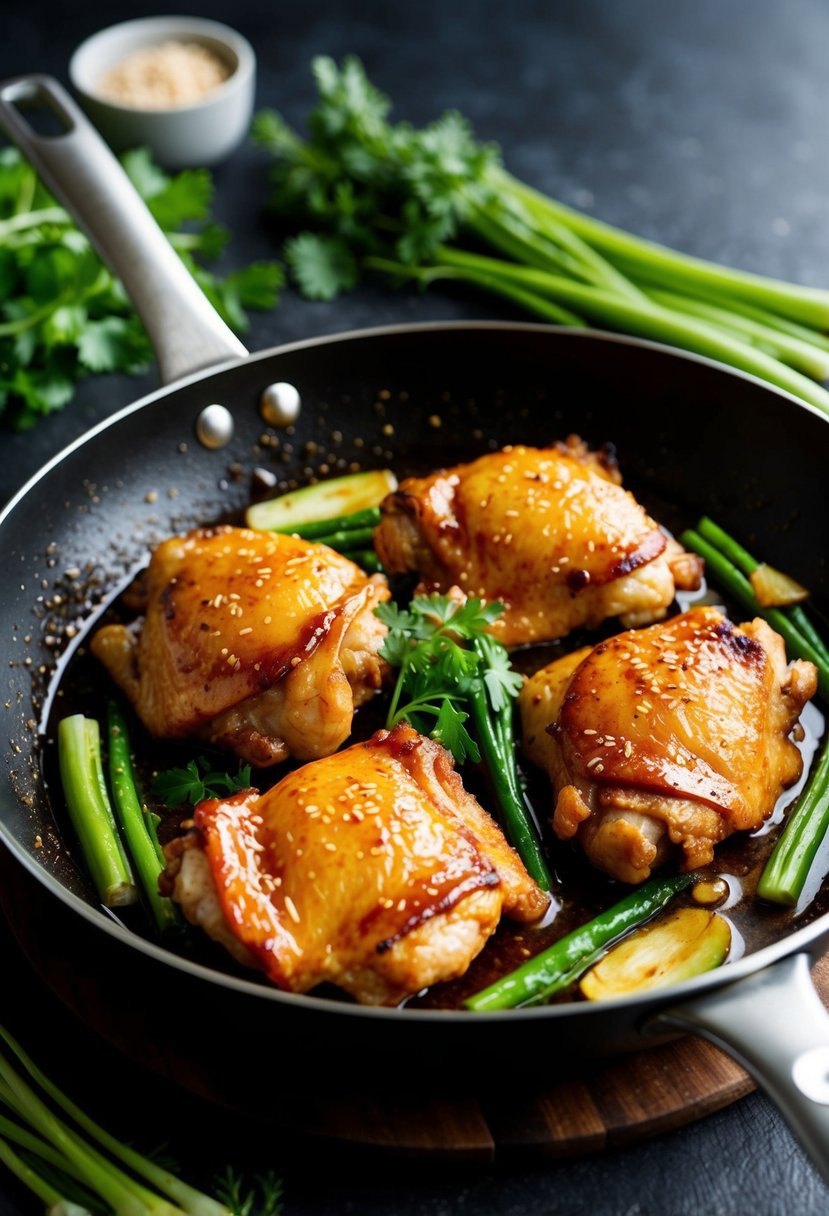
{"x":214,"y":426}
{"x":280,"y":404}
{"x":810,"y":1073}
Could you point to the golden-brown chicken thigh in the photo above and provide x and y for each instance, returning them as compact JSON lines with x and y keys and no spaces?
{"x":372,"y":869}
{"x":254,"y":641}
{"x":675,"y":735}
{"x":548,"y":532}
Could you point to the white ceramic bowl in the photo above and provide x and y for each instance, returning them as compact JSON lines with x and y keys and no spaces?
{"x":181,"y":136}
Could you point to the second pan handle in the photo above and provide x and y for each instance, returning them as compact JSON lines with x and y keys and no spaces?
{"x":774,"y":1024}
{"x":77,"y":166}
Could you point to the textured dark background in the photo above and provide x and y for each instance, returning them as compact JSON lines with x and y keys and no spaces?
{"x":700,"y":124}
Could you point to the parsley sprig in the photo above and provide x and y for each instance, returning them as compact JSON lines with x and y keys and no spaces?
{"x":63,"y":314}
{"x":432,"y":203}
{"x":451,"y":672}
{"x":196,"y":781}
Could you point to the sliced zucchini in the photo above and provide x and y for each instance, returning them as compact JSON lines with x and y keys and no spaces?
{"x":326,"y":500}
{"x":673,"y":948}
{"x":774,"y":589}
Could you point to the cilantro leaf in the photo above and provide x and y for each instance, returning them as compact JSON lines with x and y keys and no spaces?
{"x":62,"y":313}
{"x":323,"y":266}
{"x":502,"y":682}
{"x":196,"y":781}
{"x":113,"y":344}
{"x":445,"y":657}
{"x":451,"y":732}
{"x":148,"y":179}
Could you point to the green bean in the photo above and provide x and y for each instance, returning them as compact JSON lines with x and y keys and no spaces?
{"x":564,"y":961}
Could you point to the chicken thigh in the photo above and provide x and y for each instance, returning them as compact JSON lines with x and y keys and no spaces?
{"x":548,"y":532}
{"x":257,"y":642}
{"x":372,"y":869}
{"x":670,"y":737}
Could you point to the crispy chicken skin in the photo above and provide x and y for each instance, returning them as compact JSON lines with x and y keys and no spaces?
{"x":257,"y":642}
{"x":549,"y":532}
{"x":672,"y":736}
{"x":372,"y":869}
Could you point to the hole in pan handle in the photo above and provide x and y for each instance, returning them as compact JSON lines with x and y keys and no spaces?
{"x":774,"y":1024}
{"x":187,"y":334}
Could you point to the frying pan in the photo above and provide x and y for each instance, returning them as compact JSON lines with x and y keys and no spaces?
{"x":689,"y":433}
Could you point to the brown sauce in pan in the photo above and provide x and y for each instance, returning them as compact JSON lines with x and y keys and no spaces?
{"x":580,"y":891}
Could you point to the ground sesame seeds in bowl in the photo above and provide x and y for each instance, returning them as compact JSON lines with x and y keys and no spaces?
{"x":181,"y":86}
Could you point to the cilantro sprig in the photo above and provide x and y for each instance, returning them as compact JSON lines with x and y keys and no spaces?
{"x":196,"y":781}
{"x":451,"y":672}
{"x":62,"y":313}
{"x":434,"y":203}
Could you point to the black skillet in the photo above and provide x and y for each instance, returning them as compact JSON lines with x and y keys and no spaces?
{"x":689,"y":433}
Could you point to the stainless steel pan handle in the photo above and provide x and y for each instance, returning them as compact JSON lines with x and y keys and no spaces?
{"x":774,"y":1024}
{"x":186,"y":332}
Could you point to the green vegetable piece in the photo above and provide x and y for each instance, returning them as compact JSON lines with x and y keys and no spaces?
{"x":785,"y":873}
{"x":787,"y":870}
{"x":344,"y":540}
{"x":139,"y":831}
{"x":81,"y":771}
{"x":557,"y":966}
{"x":407,"y":203}
{"x":325,"y":501}
{"x":197,"y":781}
{"x":676,"y":947}
{"x":93,"y":1161}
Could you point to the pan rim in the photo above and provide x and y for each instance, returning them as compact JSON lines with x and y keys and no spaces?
{"x":396,"y":330}
{"x":797,"y":941}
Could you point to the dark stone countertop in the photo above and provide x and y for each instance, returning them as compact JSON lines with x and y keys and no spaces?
{"x":701,"y":125}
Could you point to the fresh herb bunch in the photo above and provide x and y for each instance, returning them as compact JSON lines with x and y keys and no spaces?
{"x":63,"y":314}
{"x":198,"y":780}
{"x":452,"y":671}
{"x":437,"y":674}
{"x":420,"y":204}
{"x":74,"y":1166}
